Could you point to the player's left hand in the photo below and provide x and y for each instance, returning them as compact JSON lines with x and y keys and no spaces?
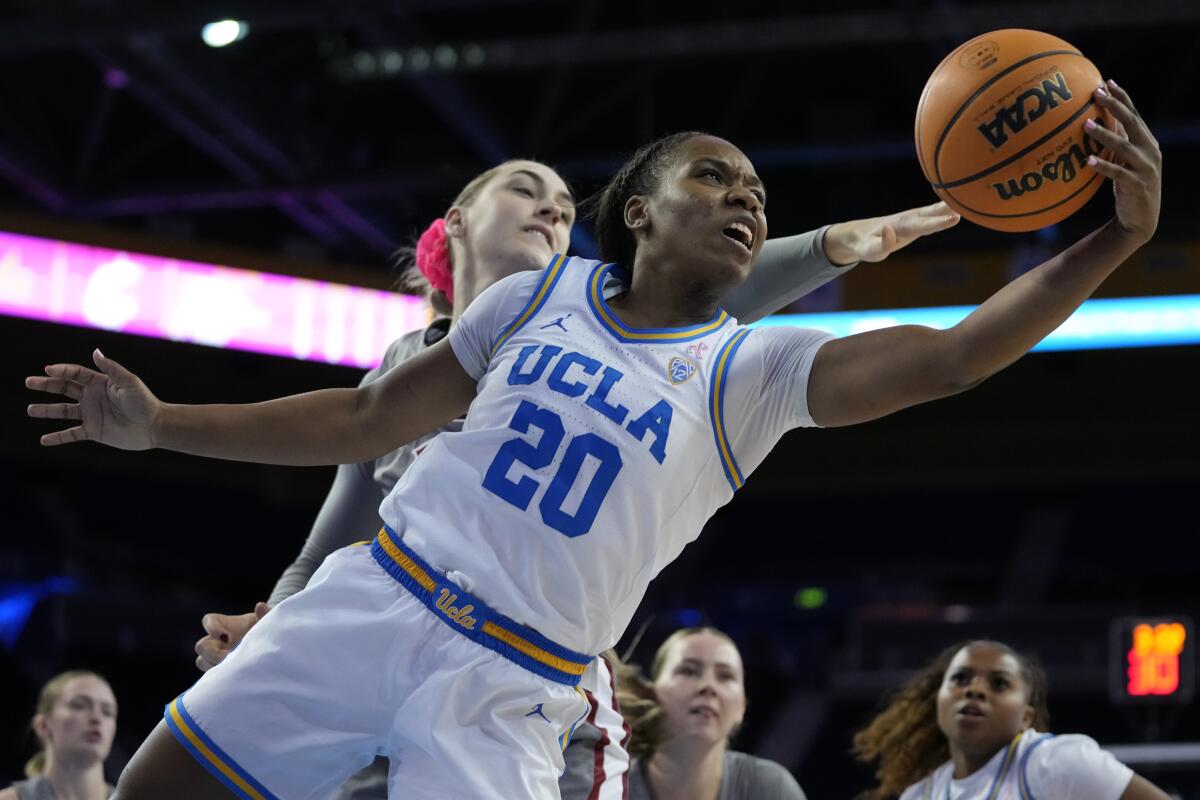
{"x":877,"y":238}
{"x":1136,"y":165}
{"x":222,"y":633}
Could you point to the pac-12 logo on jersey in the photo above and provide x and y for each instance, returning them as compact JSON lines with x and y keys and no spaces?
{"x":679,"y":369}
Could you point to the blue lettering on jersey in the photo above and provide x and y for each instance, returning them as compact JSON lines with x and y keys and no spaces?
{"x":658,"y":422}
{"x":573,"y":375}
{"x":557,"y":379}
{"x":540,"y":456}
{"x":568,"y":379}
{"x":599,"y":398}
{"x":516,"y":377}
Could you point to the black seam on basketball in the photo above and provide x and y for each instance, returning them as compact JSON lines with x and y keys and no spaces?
{"x":920,"y":108}
{"x":1012,"y":158}
{"x":920,"y":155}
{"x":937,"y":151}
{"x":920,"y":114}
{"x":1042,"y":210}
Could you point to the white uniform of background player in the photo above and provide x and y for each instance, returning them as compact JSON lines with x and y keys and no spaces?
{"x":1036,"y":766}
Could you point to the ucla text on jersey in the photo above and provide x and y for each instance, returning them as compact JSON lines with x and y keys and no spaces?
{"x":593,"y":452}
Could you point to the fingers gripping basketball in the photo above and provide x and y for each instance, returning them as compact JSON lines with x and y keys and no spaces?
{"x":1000,"y":130}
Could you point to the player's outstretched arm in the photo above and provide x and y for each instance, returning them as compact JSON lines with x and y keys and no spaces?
{"x":790,"y":267}
{"x":875,"y":238}
{"x":869,"y":375}
{"x":331,"y":426}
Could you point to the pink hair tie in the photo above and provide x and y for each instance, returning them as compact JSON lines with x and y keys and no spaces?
{"x":433,"y":258}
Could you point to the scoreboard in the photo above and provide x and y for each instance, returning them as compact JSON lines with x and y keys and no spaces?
{"x":1152,"y":660}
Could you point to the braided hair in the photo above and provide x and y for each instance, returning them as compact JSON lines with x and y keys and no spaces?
{"x":640,"y":175}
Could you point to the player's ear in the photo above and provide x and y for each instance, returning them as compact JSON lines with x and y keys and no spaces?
{"x":456,"y":223}
{"x":637,"y":213}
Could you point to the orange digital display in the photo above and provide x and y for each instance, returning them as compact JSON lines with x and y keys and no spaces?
{"x":1152,"y":660}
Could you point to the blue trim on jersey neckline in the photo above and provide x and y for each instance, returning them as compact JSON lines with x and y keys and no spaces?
{"x":997,"y":782}
{"x":623,"y":333}
{"x":1026,"y":792}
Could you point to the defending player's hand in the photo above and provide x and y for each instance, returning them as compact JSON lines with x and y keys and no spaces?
{"x":1136,"y":166}
{"x":112,"y":405}
{"x":223,"y":632}
{"x":877,"y":238}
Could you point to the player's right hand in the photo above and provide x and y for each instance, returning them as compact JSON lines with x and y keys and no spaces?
{"x":112,"y":405}
{"x":223,"y":632}
{"x":1135,"y":167}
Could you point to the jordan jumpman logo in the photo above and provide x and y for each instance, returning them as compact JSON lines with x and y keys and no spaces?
{"x":537,"y":712}
{"x":558,"y":322}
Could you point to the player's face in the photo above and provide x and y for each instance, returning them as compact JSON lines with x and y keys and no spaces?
{"x":701,"y":688}
{"x":81,"y":725}
{"x":983,"y":702}
{"x":518,"y":221}
{"x":709,"y":211}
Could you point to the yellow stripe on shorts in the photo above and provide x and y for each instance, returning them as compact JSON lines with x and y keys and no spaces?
{"x":210,"y":756}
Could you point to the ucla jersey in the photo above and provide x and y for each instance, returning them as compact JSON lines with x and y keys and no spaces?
{"x":1034,"y":766}
{"x":593,"y":453}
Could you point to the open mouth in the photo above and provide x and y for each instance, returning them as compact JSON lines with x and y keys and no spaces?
{"x":971,"y":710}
{"x":703,"y":711}
{"x":740,"y":232}
{"x":541,"y":234}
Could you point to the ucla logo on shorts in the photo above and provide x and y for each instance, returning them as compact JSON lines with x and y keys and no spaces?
{"x":445,"y":604}
{"x":679,"y":369}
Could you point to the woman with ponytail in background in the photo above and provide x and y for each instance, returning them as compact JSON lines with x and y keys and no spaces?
{"x":75,"y":722}
{"x":683,"y":719}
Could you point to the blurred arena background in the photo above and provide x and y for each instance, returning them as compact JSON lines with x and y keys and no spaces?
{"x":1051,"y":508}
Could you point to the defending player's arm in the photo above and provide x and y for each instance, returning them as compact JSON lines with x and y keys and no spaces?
{"x":792,"y":266}
{"x":330,"y":426}
{"x":349,"y":514}
{"x":869,"y":375}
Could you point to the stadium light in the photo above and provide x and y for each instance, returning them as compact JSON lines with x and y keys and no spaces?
{"x":224,"y":32}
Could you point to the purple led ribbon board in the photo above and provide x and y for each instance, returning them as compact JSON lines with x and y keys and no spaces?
{"x":185,"y":301}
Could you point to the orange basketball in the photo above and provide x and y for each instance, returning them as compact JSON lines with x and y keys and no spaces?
{"x":1000,"y":130}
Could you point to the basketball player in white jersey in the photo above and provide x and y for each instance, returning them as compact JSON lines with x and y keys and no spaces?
{"x":508,"y":219}
{"x":600,"y":438}
{"x":972,"y":726}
